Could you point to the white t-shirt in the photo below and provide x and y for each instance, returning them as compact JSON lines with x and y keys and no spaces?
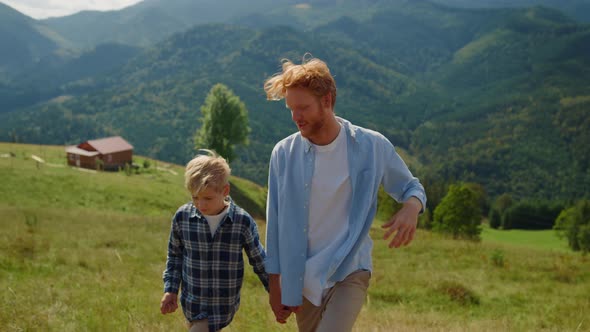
{"x":330,"y":197}
{"x":215,"y":220}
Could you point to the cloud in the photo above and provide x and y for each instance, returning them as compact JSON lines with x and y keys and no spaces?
{"x":53,"y":8}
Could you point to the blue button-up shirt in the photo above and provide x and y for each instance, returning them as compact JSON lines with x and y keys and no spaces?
{"x":210,"y":269}
{"x":372,"y":161}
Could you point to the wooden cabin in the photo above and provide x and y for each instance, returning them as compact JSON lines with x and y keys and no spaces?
{"x":110,"y":153}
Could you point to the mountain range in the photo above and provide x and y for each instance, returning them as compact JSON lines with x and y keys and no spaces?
{"x":497,"y":96}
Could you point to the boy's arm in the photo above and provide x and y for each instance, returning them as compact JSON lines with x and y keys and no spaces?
{"x":173,"y":273}
{"x":255,"y":252}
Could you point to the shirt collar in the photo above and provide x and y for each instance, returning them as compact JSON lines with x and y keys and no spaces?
{"x":231,"y":212}
{"x":346,"y":125}
{"x":307,"y":145}
{"x":350,"y":131}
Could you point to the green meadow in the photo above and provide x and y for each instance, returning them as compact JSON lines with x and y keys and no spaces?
{"x":84,"y":251}
{"x":540,"y":239}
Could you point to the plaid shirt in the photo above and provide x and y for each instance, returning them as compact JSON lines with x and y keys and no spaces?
{"x":210,"y":269}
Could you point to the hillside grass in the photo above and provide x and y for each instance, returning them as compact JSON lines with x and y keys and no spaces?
{"x":149,"y":191}
{"x":540,"y":239}
{"x":66,"y":265}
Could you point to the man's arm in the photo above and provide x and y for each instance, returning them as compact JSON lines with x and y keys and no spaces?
{"x":400,"y":184}
{"x":271,"y":262}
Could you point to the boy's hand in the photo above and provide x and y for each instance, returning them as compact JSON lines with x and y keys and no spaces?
{"x":282,"y":315}
{"x":169,"y":303}
{"x":274,"y":296}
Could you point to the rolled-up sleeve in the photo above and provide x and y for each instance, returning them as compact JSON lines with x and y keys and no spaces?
{"x":398,"y":181}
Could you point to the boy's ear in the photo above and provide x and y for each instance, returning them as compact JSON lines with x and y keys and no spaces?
{"x":226,"y":190}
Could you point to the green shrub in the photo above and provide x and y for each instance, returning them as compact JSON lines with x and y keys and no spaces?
{"x":498,"y":258}
{"x":459,"y":293}
{"x":574,"y":224}
{"x":459,"y":213}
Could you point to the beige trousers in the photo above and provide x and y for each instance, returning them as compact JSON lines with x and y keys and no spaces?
{"x":339,"y":308}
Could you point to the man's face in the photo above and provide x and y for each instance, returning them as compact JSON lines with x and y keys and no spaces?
{"x":307,"y":111}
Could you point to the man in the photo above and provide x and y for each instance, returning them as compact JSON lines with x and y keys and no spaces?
{"x":322,"y":198}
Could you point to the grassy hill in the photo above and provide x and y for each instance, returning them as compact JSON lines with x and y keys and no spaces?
{"x":85,"y":251}
{"x":154,"y":191}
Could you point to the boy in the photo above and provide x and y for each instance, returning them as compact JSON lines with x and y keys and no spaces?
{"x":205,"y":249}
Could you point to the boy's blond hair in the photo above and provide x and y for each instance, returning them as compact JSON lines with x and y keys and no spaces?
{"x":206,"y":171}
{"x":312,"y":74}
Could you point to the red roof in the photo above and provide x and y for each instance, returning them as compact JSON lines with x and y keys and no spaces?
{"x":76,"y":150}
{"x":108,"y":144}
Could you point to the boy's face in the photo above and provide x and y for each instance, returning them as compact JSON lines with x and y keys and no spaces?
{"x":211,"y":201}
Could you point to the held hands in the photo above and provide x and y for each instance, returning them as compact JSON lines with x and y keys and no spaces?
{"x":404,"y":223}
{"x":169,"y":303}
{"x":281,"y":312}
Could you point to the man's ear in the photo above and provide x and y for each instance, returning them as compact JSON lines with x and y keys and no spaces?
{"x":327,"y":101}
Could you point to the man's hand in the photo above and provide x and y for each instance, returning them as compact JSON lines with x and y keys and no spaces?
{"x":169,"y":303}
{"x":281,"y":311}
{"x":404,"y":223}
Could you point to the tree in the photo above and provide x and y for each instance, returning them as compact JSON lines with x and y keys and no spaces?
{"x":224,"y":122}
{"x":497,"y":214}
{"x":495,"y":218}
{"x":531,"y":214}
{"x":574,"y":224}
{"x":503,"y":202}
{"x":459,"y":213}
{"x":481,"y":195}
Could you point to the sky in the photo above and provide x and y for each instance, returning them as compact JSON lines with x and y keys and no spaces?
{"x":53,"y":8}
